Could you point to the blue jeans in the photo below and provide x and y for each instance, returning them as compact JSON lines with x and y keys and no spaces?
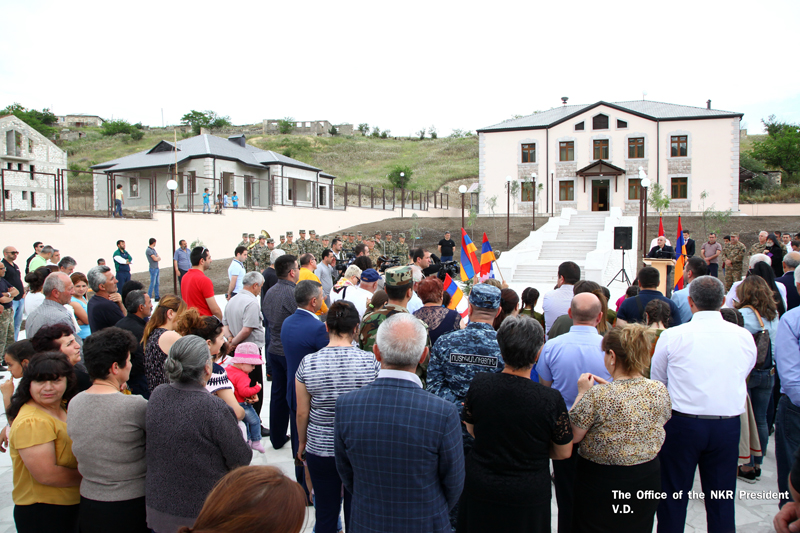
{"x":118,"y":208}
{"x":446,"y":258}
{"x":252,"y":421}
{"x":155,"y":280}
{"x":787,"y":440}
{"x":759,"y":387}
{"x":18,"y":306}
{"x":206,"y":207}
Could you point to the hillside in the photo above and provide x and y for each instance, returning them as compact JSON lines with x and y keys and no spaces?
{"x":356,"y":159}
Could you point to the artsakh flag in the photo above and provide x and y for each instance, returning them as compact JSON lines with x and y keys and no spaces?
{"x":487,"y":256}
{"x":457,"y":300}
{"x":469,"y":262}
{"x":680,"y":252}
{"x":660,"y":227}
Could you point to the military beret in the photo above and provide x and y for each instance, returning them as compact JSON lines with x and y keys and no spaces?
{"x":370,"y":275}
{"x":399,"y":276}
{"x":270,"y":241}
{"x":485,"y":296}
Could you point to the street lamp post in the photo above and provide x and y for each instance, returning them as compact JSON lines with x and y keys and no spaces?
{"x":402,"y":194}
{"x":172,"y":185}
{"x":533,"y":202}
{"x":645,"y":183}
{"x":463,"y":190}
{"x":508,"y":212}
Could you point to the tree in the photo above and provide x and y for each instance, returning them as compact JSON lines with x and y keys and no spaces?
{"x":398,"y":181}
{"x":385,"y":134}
{"x":376,"y":132}
{"x":286,"y":125}
{"x":713,"y":220}
{"x":115,"y":127}
{"x":781,"y":148}
{"x":432,"y":131}
{"x":363,"y":128}
{"x":491,"y":203}
{"x":204,"y":119}
{"x":421,"y":134}
{"x":658,"y":198}
{"x":42,"y":121}
{"x":333,"y":131}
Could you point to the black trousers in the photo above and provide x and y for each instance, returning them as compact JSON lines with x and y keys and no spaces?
{"x":46,"y":517}
{"x":128,"y":516}
{"x":278,"y":405}
{"x":564,"y":481}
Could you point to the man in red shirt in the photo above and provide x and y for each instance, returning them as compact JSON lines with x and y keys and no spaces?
{"x":197,"y":290}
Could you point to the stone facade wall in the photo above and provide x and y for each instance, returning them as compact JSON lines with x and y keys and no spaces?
{"x":682,"y":165}
{"x":24,"y":190}
{"x":317,"y":128}
{"x":80,"y":121}
{"x":566,"y":169}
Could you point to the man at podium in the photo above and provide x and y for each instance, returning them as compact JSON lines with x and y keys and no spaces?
{"x":661,"y":250}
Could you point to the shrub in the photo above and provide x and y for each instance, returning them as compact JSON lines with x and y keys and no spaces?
{"x":137,"y":135}
{"x":398,"y":181}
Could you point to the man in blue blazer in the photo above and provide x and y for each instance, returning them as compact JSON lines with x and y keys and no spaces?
{"x":301,"y":334}
{"x":398,"y":447}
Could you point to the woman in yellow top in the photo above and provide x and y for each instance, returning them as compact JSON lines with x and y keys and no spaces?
{"x":46,"y":480}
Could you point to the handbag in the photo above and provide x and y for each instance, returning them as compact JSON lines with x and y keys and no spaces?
{"x":763,"y":344}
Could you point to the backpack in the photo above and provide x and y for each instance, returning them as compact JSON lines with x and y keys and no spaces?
{"x":763,"y":344}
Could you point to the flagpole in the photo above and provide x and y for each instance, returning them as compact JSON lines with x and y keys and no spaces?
{"x":498,"y":271}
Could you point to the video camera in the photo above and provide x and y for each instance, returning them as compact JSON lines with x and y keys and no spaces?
{"x":386,"y":261}
{"x":341,"y":266}
{"x":449,"y":267}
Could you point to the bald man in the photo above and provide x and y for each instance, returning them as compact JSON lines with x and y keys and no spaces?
{"x":561,"y":363}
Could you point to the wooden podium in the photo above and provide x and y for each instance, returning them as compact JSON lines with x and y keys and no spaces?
{"x":661,"y":265}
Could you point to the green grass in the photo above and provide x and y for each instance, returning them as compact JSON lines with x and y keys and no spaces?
{"x":786,"y":194}
{"x":355,"y":159}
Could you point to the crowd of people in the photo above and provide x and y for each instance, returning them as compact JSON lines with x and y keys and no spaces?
{"x":401,"y":414}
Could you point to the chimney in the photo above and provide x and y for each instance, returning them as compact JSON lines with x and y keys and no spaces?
{"x":708,"y":104}
{"x":240,"y":139}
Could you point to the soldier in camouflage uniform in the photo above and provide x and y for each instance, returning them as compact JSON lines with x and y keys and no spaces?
{"x":373,"y":253}
{"x":389,"y":245}
{"x":379,"y":244}
{"x":458,"y":356}
{"x":245,"y":242}
{"x":399,"y":284}
{"x":351,"y":240}
{"x":325,"y":242}
{"x":290,"y":247}
{"x":314,"y":247}
{"x":733,"y":259}
{"x":283,"y":241}
{"x":301,"y":243}
{"x":360,"y":238}
{"x":401,"y":248}
{"x":761,"y":245}
{"x":250,"y":262}
{"x":257,"y":252}
{"x":265,"y":261}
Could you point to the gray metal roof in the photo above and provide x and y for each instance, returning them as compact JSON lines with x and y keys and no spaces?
{"x":197,"y":147}
{"x":643,"y":108}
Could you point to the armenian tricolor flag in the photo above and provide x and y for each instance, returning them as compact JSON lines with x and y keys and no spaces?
{"x":660,"y":227}
{"x":487,"y":256}
{"x":469,"y":262}
{"x":457,"y":300}
{"x":680,"y":253}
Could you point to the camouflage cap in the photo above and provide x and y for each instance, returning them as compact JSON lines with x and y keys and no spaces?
{"x":283,"y":237}
{"x":302,"y":231}
{"x":270,"y":240}
{"x":388,"y":233}
{"x":253,"y":235}
{"x":485,"y":296}
{"x":262,"y":237}
{"x":289,"y":234}
{"x":735,"y":234}
{"x":312,"y":232}
{"x":399,"y":276}
{"x":337,"y":236}
{"x":359,"y":233}
{"x":378,"y":232}
{"x":402,"y":235}
{"x":244,"y":234}
{"x":325,"y":238}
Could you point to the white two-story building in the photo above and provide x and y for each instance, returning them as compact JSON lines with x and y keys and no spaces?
{"x":588,"y":157}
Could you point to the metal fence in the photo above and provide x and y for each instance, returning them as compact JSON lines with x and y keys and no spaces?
{"x":30,"y":196}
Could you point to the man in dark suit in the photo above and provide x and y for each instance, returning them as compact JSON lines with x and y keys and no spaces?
{"x":393,"y":438}
{"x":790,"y":263}
{"x":689,"y":243}
{"x":301,"y":334}
{"x":139,"y":307}
{"x":661,"y":250}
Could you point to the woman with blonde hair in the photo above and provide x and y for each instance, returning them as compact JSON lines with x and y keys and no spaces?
{"x":159,"y":336}
{"x":759,"y":309}
{"x":620,"y":426}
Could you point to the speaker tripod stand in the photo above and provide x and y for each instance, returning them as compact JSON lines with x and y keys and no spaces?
{"x":623,"y":276}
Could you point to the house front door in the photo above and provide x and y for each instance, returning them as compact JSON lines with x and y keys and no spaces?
{"x":600,"y":195}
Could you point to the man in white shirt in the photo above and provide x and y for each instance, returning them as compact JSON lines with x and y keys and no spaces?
{"x":236,"y":272}
{"x":421,"y":259}
{"x":704,"y":364}
{"x":359,"y":296}
{"x":556,"y":303}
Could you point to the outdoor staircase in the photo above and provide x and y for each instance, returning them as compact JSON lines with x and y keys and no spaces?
{"x":572,"y":243}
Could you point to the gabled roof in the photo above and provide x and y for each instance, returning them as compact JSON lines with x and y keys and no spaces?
{"x":200,"y":146}
{"x":643,"y":108}
{"x":600,"y":168}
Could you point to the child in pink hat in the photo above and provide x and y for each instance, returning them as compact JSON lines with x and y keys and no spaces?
{"x":244,"y":361}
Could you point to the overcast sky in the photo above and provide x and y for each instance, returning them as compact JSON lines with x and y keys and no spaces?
{"x":401,"y":66}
